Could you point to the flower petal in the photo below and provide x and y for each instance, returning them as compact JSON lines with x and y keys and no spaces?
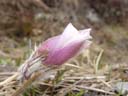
{"x":69,"y":33}
{"x":82,"y":36}
{"x":60,"y":56}
{"x":49,"y":44}
{"x":86,"y":33}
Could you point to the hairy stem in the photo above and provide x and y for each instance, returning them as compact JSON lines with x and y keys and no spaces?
{"x":26,"y":84}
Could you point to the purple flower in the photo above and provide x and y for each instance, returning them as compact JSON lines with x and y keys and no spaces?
{"x":63,"y":47}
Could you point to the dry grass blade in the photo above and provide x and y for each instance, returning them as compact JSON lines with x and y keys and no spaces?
{"x":72,"y":65}
{"x":70,"y":87}
{"x":97,"y":62}
{"x":42,"y":5}
{"x":7,"y":73}
{"x":9,"y":79}
{"x":95,"y":89}
{"x":106,"y":83}
{"x":85,"y":77}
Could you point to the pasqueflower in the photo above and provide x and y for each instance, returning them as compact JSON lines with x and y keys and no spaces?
{"x":66,"y":45}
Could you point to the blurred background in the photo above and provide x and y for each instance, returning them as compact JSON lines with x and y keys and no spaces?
{"x":26,"y":22}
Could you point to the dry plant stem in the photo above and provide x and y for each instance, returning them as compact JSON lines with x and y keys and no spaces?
{"x":9,"y":79}
{"x":26,"y":84}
